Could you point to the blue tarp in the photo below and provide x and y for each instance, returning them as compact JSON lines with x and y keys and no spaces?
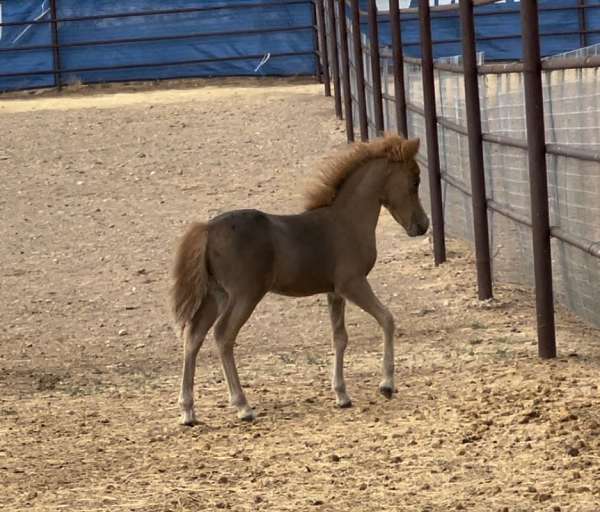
{"x":28,"y":35}
{"x":497,"y":34}
{"x":242,"y":53}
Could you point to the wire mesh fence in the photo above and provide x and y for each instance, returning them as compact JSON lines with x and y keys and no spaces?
{"x":571,"y":99}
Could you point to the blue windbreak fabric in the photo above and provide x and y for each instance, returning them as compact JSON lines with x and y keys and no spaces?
{"x":264,"y":51}
{"x":260,"y":43}
{"x":25,"y":35}
{"x":225,"y":52}
{"x":498,"y":35}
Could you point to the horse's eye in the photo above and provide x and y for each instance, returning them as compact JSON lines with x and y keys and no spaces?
{"x":417,"y":182}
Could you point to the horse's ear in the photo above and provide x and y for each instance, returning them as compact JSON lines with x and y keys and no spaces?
{"x":410,"y":148}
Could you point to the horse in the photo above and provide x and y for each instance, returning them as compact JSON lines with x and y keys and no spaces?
{"x":224,"y":267}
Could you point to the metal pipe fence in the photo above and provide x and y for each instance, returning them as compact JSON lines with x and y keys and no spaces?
{"x":518,"y":166}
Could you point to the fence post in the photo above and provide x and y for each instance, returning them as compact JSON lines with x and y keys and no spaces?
{"x":335,"y":68}
{"x":318,"y":70}
{"x":538,"y":180}
{"x":478,"y":195}
{"x":399,"y":92}
{"x":323,"y":46}
{"x":375,"y":67}
{"x":360,"y":72}
{"x":433,"y":154}
{"x":345,"y":70}
{"x":582,"y":23}
{"x":56,"y":64}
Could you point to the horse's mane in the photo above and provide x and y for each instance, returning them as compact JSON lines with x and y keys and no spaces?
{"x":335,"y":171}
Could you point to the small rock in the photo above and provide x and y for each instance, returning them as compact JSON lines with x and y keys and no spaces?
{"x":572,"y":451}
{"x":529,"y":416}
{"x":362,"y":487}
{"x":334,"y":458}
{"x":568,"y":417}
{"x":471,"y":438}
{"x":123,"y":332}
{"x":222,"y":480}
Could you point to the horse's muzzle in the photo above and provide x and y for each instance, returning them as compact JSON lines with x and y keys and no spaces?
{"x":419,"y":227}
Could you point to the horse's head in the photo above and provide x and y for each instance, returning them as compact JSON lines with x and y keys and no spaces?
{"x":401,"y":192}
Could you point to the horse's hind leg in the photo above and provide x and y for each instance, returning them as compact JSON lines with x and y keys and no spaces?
{"x":337,"y":306}
{"x":237,"y":311}
{"x":194,"y":335}
{"x":359,"y":291}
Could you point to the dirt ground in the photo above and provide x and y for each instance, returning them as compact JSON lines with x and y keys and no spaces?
{"x":97,"y":186}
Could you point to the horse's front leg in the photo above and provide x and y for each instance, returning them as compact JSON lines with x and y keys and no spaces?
{"x":337,"y":306}
{"x":359,"y":291}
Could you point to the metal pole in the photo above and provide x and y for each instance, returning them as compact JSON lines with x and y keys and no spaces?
{"x":323,"y":47}
{"x":335,"y":68}
{"x":478,"y":195}
{"x":360,"y":73}
{"x":345,"y":70}
{"x":582,"y":22}
{"x":55,"y":45}
{"x":318,"y":68}
{"x":375,"y":67}
{"x":399,"y":92}
{"x":433,"y":155}
{"x":538,"y":181}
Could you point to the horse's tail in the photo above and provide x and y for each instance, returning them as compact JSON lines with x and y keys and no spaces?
{"x":190,"y":273}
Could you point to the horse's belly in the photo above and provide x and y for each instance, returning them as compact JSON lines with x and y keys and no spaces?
{"x":301,"y":284}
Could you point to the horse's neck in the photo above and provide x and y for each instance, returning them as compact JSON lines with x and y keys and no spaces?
{"x":359,"y":199}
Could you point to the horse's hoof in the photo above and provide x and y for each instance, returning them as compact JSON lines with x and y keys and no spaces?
{"x":247,"y":415}
{"x":344,"y":404}
{"x":386,"y":390}
{"x":188,"y":420}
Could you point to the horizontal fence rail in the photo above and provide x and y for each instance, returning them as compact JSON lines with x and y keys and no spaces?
{"x":408,"y":102}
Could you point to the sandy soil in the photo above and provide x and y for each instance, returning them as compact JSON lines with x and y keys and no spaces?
{"x":96,"y":188}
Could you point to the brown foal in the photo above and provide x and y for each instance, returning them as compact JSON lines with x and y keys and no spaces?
{"x":225,"y":267}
